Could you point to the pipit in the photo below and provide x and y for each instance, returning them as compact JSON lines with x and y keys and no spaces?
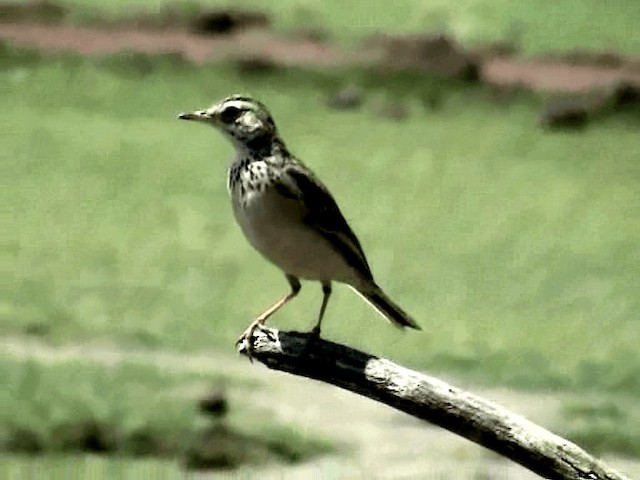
{"x":288,"y":214}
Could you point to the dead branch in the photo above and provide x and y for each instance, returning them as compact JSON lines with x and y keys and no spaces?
{"x":430,"y":399}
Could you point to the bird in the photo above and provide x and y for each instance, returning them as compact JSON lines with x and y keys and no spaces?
{"x":288,"y":215}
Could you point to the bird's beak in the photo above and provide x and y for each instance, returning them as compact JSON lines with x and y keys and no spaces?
{"x":199,"y":116}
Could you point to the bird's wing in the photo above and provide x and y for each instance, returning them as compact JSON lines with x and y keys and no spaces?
{"x":322,"y":213}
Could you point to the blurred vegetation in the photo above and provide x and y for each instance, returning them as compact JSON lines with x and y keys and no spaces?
{"x":136,"y":410}
{"x":81,"y":467}
{"x":515,"y":248}
{"x":539,"y":27}
{"x":590,"y":423}
{"x":518,"y":249}
{"x":104,"y":411}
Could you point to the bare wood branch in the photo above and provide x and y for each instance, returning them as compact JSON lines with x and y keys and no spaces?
{"x":430,"y":399}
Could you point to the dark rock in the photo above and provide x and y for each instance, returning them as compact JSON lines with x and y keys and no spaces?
{"x":215,"y":404}
{"x":220,"y":22}
{"x":565,"y":113}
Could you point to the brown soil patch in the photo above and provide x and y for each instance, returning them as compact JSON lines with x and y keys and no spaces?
{"x":544,"y":74}
{"x":555,"y":75}
{"x":197,"y":48}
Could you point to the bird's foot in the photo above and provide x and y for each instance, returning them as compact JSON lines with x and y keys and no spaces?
{"x":247,"y":337}
{"x":313,"y":337}
{"x":314,"y":334}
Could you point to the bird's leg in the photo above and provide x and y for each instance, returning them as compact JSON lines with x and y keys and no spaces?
{"x":315,"y":332}
{"x":326,"y":293}
{"x":259,"y":322}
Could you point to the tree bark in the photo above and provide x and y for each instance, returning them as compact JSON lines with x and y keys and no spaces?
{"x":430,"y":399}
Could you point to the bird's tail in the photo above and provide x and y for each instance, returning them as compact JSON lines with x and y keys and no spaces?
{"x":388,"y":308}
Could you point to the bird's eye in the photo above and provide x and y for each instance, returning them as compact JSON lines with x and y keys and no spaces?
{"x":229,"y":114}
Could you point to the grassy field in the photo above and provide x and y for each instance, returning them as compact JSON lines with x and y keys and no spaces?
{"x":515,"y":248}
{"x":84,"y":467}
{"x":537,"y":27}
{"x":505,"y":241}
{"x":139,"y":409}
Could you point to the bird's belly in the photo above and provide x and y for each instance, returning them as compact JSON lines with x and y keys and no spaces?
{"x":274,"y":226}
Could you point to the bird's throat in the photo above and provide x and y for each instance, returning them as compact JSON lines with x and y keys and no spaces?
{"x":264,"y":146}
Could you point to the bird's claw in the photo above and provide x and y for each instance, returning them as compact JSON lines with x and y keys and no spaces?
{"x":247,"y":338}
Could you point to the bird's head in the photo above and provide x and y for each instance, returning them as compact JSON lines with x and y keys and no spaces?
{"x":243,"y":119}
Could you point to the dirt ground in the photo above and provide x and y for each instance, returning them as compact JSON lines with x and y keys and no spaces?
{"x":546,"y":74}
